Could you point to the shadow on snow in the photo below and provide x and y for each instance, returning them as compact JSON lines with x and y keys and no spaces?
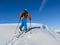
{"x":33,"y":28}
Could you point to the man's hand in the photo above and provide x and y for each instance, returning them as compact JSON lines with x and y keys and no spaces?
{"x":29,"y":18}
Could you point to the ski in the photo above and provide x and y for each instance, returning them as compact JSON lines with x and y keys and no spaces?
{"x":14,"y":39}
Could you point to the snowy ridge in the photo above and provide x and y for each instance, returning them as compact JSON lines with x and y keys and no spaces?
{"x":40,"y":36}
{"x":58,"y":32}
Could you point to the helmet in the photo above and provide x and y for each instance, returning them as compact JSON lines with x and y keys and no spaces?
{"x":25,"y":10}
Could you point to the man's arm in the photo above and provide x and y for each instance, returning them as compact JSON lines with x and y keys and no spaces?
{"x":29,"y":16}
{"x":20,"y":15}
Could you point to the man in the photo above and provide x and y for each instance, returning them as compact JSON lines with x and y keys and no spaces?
{"x":23,"y":18}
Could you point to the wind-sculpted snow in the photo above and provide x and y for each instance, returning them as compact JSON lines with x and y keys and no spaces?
{"x":40,"y":35}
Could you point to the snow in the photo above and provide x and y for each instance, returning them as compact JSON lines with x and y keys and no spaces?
{"x":57,"y":31}
{"x":38,"y":36}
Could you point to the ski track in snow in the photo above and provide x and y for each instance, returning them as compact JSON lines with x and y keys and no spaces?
{"x":38,"y":36}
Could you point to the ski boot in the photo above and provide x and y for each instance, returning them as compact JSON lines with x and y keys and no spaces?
{"x":25,"y":31}
{"x":20,"y":28}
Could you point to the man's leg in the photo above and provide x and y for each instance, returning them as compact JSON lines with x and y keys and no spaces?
{"x":25,"y":27}
{"x":21,"y":26}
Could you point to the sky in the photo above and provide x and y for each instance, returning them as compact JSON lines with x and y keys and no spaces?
{"x":42,"y":11}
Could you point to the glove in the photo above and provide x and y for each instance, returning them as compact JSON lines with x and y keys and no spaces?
{"x":29,"y":18}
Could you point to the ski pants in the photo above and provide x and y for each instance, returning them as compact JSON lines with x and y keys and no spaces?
{"x":24,"y":23}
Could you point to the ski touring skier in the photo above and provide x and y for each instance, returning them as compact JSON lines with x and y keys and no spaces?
{"x":23,"y":19}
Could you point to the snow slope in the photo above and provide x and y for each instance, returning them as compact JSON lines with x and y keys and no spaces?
{"x":57,"y":31}
{"x":40,"y":36}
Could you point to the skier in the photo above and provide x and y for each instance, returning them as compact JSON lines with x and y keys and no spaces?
{"x":23,"y":18}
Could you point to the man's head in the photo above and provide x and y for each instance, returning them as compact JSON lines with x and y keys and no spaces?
{"x":25,"y":10}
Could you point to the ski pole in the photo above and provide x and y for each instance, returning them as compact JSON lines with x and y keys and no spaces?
{"x":17,"y":27}
{"x":30,"y":23}
{"x":30,"y":27}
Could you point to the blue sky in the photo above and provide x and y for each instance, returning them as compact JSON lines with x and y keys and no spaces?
{"x":42,"y":11}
